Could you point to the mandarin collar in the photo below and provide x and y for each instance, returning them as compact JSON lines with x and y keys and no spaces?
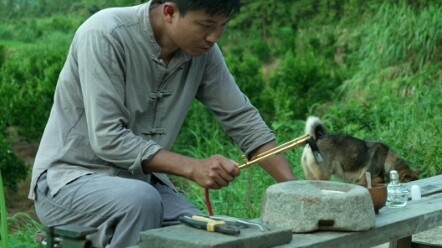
{"x":180,"y":56}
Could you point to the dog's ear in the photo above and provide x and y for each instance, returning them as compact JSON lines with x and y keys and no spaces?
{"x":408,"y":175}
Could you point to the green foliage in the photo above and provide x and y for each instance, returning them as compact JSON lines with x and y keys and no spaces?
{"x":10,"y":9}
{"x":301,"y":82}
{"x":23,"y":229}
{"x":285,"y":41}
{"x":246,"y":69}
{"x":400,"y":36}
{"x":28,"y":79}
{"x":269,"y":16}
{"x":12,"y":168}
{"x":262,"y":15}
{"x":202,"y":135}
{"x":30,"y":30}
{"x":260,"y":49}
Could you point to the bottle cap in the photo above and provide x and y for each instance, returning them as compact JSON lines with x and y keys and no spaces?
{"x":393,"y":175}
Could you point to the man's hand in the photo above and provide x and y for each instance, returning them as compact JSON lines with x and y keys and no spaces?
{"x":212,"y":173}
{"x":215,"y":172}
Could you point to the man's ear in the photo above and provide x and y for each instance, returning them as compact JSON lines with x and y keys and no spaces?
{"x":169,"y":11}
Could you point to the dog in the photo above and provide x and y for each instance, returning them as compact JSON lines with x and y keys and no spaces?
{"x":349,"y":158}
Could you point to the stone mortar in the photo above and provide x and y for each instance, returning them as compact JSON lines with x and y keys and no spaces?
{"x":306,"y":206}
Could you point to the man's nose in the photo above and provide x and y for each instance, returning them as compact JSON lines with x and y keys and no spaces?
{"x":213,"y":36}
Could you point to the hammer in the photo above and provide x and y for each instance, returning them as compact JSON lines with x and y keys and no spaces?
{"x":305,"y":139}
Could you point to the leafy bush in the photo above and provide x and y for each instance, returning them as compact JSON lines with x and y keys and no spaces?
{"x":246,"y":68}
{"x":28,"y":79}
{"x":301,"y":82}
{"x":33,"y":31}
{"x":285,"y":41}
{"x":13,"y":169}
{"x":260,"y":49}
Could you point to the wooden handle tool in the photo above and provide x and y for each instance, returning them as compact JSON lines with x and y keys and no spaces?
{"x":277,"y":150}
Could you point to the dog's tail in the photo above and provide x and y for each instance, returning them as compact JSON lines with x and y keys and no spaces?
{"x":315,"y":127}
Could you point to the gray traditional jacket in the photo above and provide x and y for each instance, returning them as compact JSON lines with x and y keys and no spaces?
{"x":116,"y":103}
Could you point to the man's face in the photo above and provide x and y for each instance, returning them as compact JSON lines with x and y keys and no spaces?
{"x":196,"y":32}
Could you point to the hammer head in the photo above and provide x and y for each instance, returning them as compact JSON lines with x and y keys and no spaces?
{"x":315,"y":149}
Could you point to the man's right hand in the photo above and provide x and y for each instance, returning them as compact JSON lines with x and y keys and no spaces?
{"x":215,"y":172}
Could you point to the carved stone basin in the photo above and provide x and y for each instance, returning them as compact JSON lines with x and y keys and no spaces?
{"x":306,"y":206}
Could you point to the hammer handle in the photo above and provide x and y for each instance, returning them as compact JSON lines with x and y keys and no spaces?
{"x":277,"y":150}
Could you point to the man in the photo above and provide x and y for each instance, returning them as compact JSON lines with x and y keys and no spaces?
{"x":130,"y":77}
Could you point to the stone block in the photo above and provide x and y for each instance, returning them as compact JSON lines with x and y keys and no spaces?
{"x":306,"y":206}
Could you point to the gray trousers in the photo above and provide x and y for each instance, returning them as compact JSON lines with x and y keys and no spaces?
{"x":119,"y":207}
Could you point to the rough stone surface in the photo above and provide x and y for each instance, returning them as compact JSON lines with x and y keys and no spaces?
{"x":187,"y":237}
{"x":305,"y":206}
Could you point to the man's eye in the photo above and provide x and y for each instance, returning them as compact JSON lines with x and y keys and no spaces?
{"x":206,"y":25}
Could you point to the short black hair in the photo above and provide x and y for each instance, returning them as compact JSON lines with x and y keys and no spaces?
{"x":212,"y":7}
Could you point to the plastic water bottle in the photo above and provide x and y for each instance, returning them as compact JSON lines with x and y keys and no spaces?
{"x":397,"y":194}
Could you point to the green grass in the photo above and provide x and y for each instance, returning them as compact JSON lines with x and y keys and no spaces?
{"x":18,"y":230}
{"x":23,"y":230}
{"x":12,"y":43}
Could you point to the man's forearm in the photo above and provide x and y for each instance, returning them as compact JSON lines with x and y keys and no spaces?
{"x":170,"y":163}
{"x":276,"y":166}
